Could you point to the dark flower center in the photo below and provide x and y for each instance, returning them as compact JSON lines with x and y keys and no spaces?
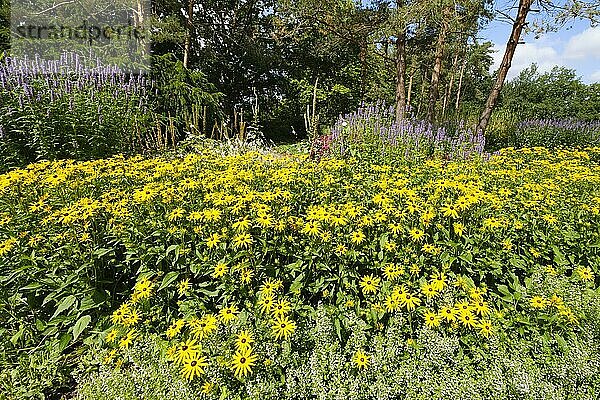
{"x":193,"y":363}
{"x":242,"y":360}
{"x":244,"y":340}
{"x":282,"y":326}
{"x":184,"y":348}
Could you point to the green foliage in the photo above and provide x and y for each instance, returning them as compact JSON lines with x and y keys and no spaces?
{"x":558,"y":94}
{"x":183,"y":97}
{"x":4,"y":27}
{"x":78,"y":115}
{"x":434,"y":365}
{"x":75,"y":237}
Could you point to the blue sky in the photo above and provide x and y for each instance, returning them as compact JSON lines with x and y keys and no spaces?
{"x":576,"y":46}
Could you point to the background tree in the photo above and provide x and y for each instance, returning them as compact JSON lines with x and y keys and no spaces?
{"x":554,"y":15}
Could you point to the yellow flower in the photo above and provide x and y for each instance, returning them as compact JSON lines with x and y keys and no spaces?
{"x":266,"y":303}
{"x":186,"y":351}
{"x":228,"y":314}
{"x":242,"y":240}
{"x":459,"y":228}
{"x":120,"y":315}
{"x":467,"y":319}
{"x":132,"y":318}
{"x":281,"y":307}
{"x":111,"y":335}
{"x":175,"y":328}
{"x":416,"y":234}
{"x":242,"y":362}
{"x":246,"y":275}
{"x":183,"y":287}
{"x":537,"y":302}
{"x":312,"y":228}
{"x":360,"y":359}
{"x":269,"y":286}
{"x":428,"y":290}
{"x":409,"y":301}
{"x":369,"y":284}
{"x":481,"y":308}
{"x":283,"y":327}
{"x":244,"y":340}
{"x":448,"y":314}
{"x":207,"y":387}
{"x":392,"y":271}
{"x":449,"y":210}
{"x":395,"y":227}
{"x":241,"y":225}
{"x":142,"y":290}
{"x":438,"y":281}
{"x":357,"y":237}
{"x":555,"y":301}
{"x":213,"y":240}
{"x":126,"y":341}
{"x":432,"y":320}
{"x":485,"y":328}
{"x":220,"y":270}
{"x":193,"y":367}
{"x":584,"y":274}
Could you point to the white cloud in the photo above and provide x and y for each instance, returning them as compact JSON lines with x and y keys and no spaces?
{"x":584,"y":45}
{"x":595,"y":76}
{"x":545,"y":57}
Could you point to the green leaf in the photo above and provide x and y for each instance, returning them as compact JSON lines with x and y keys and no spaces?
{"x":172,"y":248}
{"x":168,"y":279}
{"x":65,"y":304}
{"x":15,"y":338}
{"x":80,"y":325}
{"x":297,"y":283}
{"x":338,"y":328}
{"x":64,"y":342}
{"x":468,"y":257}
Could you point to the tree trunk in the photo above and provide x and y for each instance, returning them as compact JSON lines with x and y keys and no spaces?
{"x":450,"y":85}
{"x":400,"y":67}
{"x":423,"y":84}
{"x":409,"y":91}
{"x":363,"y":69}
{"x":434,"y":89}
{"x":188,"y":34}
{"x":460,"y":81}
{"x":401,"y":75}
{"x":511,"y":46}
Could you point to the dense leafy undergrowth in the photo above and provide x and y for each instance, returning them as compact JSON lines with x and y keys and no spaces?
{"x":269,"y":276}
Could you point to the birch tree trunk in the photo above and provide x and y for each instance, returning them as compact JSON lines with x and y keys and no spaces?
{"x":188,"y":34}
{"x":460,"y":81}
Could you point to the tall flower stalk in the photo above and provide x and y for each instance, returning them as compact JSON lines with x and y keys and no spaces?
{"x":373,"y":130}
